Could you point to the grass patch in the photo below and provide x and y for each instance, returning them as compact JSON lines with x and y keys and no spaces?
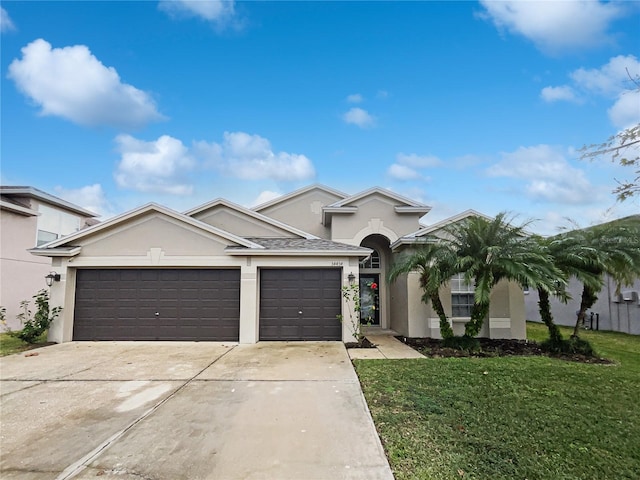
{"x":10,"y":345}
{"x":510,"y":417}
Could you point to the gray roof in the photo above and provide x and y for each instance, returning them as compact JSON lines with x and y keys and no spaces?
{"x":31,"y":192}
{"x":305,"y":244}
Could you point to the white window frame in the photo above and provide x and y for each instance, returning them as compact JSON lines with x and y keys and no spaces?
{"x":460,"y":289}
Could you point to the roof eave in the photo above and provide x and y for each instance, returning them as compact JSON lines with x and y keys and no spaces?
{"x":327,"y":212}
{"x":299,"y":253}
{"x":418,"y":210}
{"x":33,"y":192}
{"x":20,"y":210}
{"x":53,"y":252}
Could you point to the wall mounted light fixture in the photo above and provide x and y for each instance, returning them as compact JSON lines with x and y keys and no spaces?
{"x":52,"y":277}
{"x":352,"y":278}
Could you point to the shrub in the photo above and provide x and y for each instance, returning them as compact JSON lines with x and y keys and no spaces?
{"x":465,"y":343}
{"x":3,"y":318}
{"x":34,"y":326}
{"x":572,"y":346}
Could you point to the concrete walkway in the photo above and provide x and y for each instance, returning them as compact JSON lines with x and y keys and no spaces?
{"x":387,"y":346}
{"x":186,"y":411}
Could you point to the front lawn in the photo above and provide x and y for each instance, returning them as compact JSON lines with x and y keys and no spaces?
{"x":510,"y":417}
{"x":9,"y":344}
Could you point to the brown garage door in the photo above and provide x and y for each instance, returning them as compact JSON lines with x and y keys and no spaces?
{"x":157,"y":304}
{"x":300,"y":304}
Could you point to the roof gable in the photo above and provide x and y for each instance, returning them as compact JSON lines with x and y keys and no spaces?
{"x":327,"y":190}
{"x":279,"y":228}
{"x":380,"y":192}
{"x":418,"y":236}
{"x":429,"y":229}
{"x":349,"y":205}
{"x":140,"y":212}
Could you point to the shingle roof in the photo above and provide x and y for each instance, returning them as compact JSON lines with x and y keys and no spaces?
{"x":304,"y":244}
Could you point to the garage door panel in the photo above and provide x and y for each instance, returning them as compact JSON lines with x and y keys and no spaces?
{"x":300,"y":304}
{"x":192,"y":304}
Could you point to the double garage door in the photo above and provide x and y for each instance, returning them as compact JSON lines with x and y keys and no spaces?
{"x":204,"y":304}
{"x":157,"y":304}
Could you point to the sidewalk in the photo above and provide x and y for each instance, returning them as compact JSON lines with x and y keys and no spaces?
{"x":387,"y":346}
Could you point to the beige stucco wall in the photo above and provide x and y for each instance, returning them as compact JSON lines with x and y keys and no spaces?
{"x":375,"y":214}
{"x":303,"y":211}
{"x":415,"y":319}
{"x":152,"y":231}
{"x":240,"y":224}
{"x":21,"y":274}
{"x":399,"y":311}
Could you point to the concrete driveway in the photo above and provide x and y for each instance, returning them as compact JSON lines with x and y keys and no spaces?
{"x":178,"y":410}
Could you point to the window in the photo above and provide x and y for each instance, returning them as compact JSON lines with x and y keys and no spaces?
{"x":461,"y":296}
{"x":46,"y":237}
{"x":373,"y":261}
{"x":54,"y":223}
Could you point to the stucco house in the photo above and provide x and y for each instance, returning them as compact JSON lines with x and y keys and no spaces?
{"x":28,"y":218}
{"x":275,"y":272}
{"x":618,"y":311}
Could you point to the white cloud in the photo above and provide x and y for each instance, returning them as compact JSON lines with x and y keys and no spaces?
{"x":402,"y":172}
{"x":548,"y":175}
{"x":72,"y":83}
{"x":418,"y":161}
{"x":358,"y":116}
{"x":91,"y":197}
{"x":554,"y":94}
{"x":250,"y":157}
{"x":555,"y":25}
{"x":382,"y":94}
{"x":6,"y":24}
{"x":355,"y":98}
{"x":612,"y":80}
{"x":625,"y":112}
{"x":264,"y":197}
{"x":158,"y":166}
{"x":218,"y":11}
{"x":407,"y":166}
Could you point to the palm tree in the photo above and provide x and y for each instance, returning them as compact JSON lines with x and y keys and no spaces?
{"x":434,"y":261}
{"x":616,"y":247}
{"x":573,"y":259}
{"x":489,"y":251}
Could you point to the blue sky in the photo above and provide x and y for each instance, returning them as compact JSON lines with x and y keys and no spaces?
{"x":456,"y":104}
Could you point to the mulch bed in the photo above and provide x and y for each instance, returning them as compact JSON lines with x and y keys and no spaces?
{"x":490,"y":347}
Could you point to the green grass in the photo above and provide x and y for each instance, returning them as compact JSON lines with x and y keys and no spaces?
{"x":510,"y":417}
{"x":10,"y":345}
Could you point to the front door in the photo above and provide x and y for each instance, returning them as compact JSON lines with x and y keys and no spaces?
{"x":369,"y":299}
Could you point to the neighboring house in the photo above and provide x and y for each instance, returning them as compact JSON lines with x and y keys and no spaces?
{"x":619,"y":312}
{"x":616,"y":312}
{"x":275,"y":272}
{"x":29,"y":218}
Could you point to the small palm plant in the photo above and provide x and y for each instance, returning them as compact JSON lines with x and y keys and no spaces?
{"x":489,"y":251}
{"x":434,"y":262}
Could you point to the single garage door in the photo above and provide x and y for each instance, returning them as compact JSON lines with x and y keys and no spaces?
{"x":157,"y":304}
{"x":300,"y":304}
